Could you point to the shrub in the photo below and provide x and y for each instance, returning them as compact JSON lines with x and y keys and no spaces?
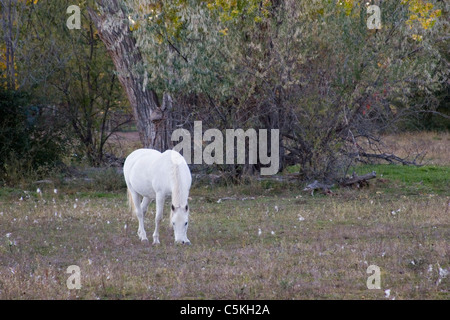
{"x":31,"y":139}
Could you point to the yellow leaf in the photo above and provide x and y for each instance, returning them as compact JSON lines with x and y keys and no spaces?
{"x":224,"y":31}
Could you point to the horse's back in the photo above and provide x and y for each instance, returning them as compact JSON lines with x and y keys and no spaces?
{"x":136,"y":155}
{"x":136,"y":167}
{"x":148,"y":171}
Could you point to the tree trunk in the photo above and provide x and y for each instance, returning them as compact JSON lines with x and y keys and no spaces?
{"x":10,"y":24}
{"x":115,"y":33}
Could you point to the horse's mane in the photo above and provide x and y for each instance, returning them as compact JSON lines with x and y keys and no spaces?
{"x":179,"y":196}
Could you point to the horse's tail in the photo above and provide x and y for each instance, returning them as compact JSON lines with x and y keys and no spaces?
{"x":131,"y":206}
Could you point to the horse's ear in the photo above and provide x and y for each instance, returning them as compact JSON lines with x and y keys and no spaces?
{"x":187,"y":208}
{"x":173,"y":207}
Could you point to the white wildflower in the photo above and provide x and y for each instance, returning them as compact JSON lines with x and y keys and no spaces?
{"x":443,"y":273}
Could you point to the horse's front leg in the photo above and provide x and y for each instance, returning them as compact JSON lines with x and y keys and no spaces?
{"x":159,"y":210}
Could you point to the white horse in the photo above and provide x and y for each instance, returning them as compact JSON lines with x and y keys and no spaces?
{"x":150,"y":174}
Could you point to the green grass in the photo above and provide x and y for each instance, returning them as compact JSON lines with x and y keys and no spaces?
{"x":408,"y":180}
{"x":411,"y":179}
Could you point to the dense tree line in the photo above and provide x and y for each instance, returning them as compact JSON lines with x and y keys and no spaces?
{"x":312,"y":69}
{"x":69,"y":83}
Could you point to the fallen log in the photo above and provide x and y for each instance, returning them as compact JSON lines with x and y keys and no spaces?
{"x":355,"y":179}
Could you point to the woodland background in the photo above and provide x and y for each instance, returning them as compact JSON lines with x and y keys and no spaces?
{"x":311,"y":69}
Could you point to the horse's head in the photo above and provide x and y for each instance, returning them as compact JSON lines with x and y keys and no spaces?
{"x":179,"y":219}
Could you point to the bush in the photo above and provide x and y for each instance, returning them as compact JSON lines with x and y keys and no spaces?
{"x":31,"y":139}
{"x":109,"y":179}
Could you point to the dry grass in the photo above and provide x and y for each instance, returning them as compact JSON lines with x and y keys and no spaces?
{"x":308,"y":248}
{"x":435,"y":146}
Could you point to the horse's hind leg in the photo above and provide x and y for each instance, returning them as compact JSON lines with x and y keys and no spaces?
{"x":159,"y":210}
{"x":139,"y":214}
{"x":144,"y":205}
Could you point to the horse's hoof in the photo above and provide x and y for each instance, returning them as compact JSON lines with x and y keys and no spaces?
{"x":144,"y":240}
{"x":187,"y":243}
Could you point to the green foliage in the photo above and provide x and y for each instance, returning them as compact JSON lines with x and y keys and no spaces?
{"x":13,"y":118}
{"x":311,"y":69}
{"x":30,"y":139}
{"x":71,"y":71}
{"x":108,"y":180}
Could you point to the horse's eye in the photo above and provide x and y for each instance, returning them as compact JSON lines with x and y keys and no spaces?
{"x":173,"y":223}
{"x":185,"y":224}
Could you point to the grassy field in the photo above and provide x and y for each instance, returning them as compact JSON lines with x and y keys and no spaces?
{"x":266,"y":240}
